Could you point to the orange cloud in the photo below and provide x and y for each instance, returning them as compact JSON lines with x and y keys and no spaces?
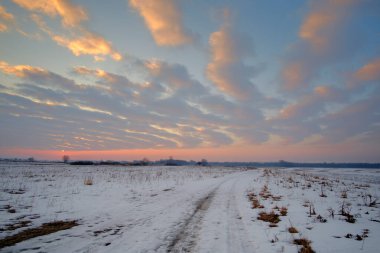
{"x":313,"y":26}
{"x":317,"y":28}
{"x":294,"y":75}
{"x":71,"y":15}
{"x":323,"y":91}
{"x":154,"y":66}
{"x":163,"y":19}
{"x":226,"y":58}
{"x":5,"y":15}
{"x":20,"y":70}
{"x":369,"y":72}
{"x":320,"y":42}
{"x":81,"y":70}
{"x":3,"y":27}
{"x":88,"y":44}
{"x":307,"y":105}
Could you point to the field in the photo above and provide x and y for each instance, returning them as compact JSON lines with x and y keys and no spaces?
{"x":65,"y":208}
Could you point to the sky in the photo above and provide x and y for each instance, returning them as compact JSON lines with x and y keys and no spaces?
{"x":243,"y":80}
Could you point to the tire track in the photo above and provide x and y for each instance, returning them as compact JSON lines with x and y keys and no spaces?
{"x":238,"y":240}
{"x":186,"y":238}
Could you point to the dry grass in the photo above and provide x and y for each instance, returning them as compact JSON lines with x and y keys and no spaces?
{"x":255,"y":202}
{"x":88,"y":181}
{"x":283,"y":211}
{"x":266,"y":194}
{"x":44,"y":229}
{"x":271,"y":217}
{"x":292,"y":230}
{"x":306,"y":247}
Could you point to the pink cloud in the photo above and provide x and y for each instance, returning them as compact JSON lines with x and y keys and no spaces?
{"x":71,"y":14}
{"x":88,"y":44}
{"x":369,"y":72}
{"x":20,"y":70}
{"x":164,"y":21}
{"x":320,"y":42}
{"x":226,"y":69}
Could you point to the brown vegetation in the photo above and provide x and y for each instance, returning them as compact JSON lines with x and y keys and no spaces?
{"x":88,"y":181}
{"x":271,"y":217}
{"x":306,"y":247}
{"x":255,"y":202}
{"x":44,"y":229}
{"x":283,"y":211}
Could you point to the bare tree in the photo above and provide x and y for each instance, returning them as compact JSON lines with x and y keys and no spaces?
{"x":65,"y":158}
{"x":145,"y":161}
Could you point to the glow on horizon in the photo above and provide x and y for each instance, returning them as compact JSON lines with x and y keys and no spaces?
{"x":226,"y":154}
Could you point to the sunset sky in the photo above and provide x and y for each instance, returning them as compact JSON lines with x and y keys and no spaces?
{"x":245,"y":80}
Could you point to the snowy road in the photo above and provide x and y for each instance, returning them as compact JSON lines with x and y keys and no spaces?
{"x":217,"y":224}
{"x":204,"y":219}
{"x":223,"y":228}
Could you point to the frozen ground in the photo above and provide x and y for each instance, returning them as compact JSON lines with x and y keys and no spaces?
{"x":189,"y":209}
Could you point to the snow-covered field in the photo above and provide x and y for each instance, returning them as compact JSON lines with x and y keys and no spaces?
{"x":190,"y":209}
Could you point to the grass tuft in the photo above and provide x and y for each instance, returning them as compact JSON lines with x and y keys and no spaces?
{"x":88,"y":181}
{"x":271,"y":217}
{"x":283,"y":211}
{"x":306,"y":247}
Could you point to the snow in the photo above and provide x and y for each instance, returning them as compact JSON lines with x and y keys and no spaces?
{"x":186,"y":209}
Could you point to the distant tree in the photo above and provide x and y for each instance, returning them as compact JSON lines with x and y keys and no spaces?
{"x":30,"y":159}
{"x":65,"y":158}
{"x":203,"y":162}
{"x":171,"y":161}
{"x":145,"y":161}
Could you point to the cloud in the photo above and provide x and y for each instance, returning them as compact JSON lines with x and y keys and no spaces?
{"x":296,"y":74}
{"x":3,"y":27}
{"x":82,"y":70}
{"x":329,"y":36}
{"x":5,"y":17}
{"x":226,"y":69}
{"x":115,"y":113}
{"x":363,"y":117}
{"x":39,"y":76}
{"x":164,"y":21}
{"x":167,"y":109}
{"x":72,"y":15}
{"x":88,"y":44}
{"x":369,"y":72}
{"x":308,"y":106}
{"x":20,"y":70}
{"x":299,"y":120}
{"x":238,"y":122}
{"x":319,"y":26}
{"x":82,"y":41}
{"x":321,"y":33}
